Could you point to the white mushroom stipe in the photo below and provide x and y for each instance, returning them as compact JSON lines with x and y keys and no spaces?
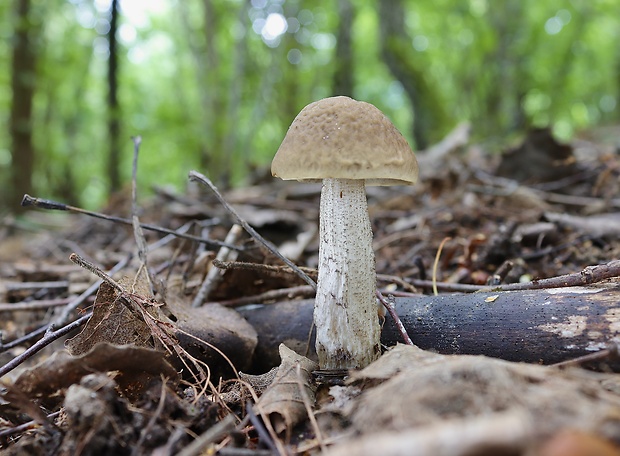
{"x":345,"y":309}
{"x":347,"y":144}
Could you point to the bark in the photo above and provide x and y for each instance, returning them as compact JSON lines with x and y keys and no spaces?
{"x":343,"y":75}
{"x":23,"y":78}
{"x":113,"y":105}
{"x":535,"y":326}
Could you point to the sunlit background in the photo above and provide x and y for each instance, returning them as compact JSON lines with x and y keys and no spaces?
{"x":213,"y":85}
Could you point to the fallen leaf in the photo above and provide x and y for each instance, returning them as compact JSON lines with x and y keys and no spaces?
{"x":283,"y":402}
{"x":133,"y":367}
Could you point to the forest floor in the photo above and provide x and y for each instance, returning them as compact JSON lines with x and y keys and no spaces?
{"x":139,"y":370}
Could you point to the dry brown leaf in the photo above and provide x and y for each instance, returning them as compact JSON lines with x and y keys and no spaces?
{"x":283,"y":402}
{"x":111,"y":322}
{"x":505,"y":433}
{"x":133,"y":367}
{"x":422,"y":388}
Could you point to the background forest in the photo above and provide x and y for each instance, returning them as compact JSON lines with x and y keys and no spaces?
{"x":213,"y":84}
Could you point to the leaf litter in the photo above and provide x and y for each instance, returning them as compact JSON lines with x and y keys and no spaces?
{"x":150,"y":374}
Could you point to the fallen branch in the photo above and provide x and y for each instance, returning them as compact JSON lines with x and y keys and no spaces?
{"x":537,"y":326}
{"x":56,"y":206}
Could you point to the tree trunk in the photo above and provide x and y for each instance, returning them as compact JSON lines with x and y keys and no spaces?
{"x":343,"y":75}
{"x":23,"y":78}
{"x":535,"y":326}
{"x":406,"y":67}
{"x":113,"y":106}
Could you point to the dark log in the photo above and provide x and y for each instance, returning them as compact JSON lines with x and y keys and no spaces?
{"x":536,"y":326}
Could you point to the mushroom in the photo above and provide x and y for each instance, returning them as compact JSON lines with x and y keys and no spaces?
{"x":346,"y":144}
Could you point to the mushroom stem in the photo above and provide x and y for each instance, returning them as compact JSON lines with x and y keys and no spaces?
{"x":345,"y":309}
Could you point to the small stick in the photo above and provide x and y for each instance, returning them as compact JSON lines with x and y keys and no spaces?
{"x":214,"y":276}
{"x":50,"y":336}
{"x":75,"y":258}
{"x":587,"y":276}
{"x":25,"y":426}
{"x":398,"y":281}
{"x":264,"y":268}
{"x":313,"y":273}
{"x":419,"y":263}
{"x":138,"y":234}
{"x":399,"y":324}
{"x":195,"y":175}
{"x":436,"y":263}
{"x":302,"y":291}
{"x":56,"y":206}
{"x":265,"y":431}
{"x":34,"y":305}
{"x":500,"y":273}
{"x":19,"y":286}
{"x":66,"y":312}
{"x":610,"y":352}
{"x":212,"y":435}
{"x":308,"y":406}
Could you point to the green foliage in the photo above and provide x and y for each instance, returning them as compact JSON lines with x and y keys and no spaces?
{"x":206,"y":90}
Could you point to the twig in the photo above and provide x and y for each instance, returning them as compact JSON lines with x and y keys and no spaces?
{"x":302,"y":291}
{"x":66,"y":312}
{"x":26,"y":338}
{"x":25,"y":426}
{"x":19,"y":286}
{"x":398,"y":281}
{"x":49,"y":337}
{"x":56,"y":206}
{"x":146,"y":430}
{"x":587,"y":276}
{"x":611,"y":352}
{"x":214,"y":276}
{"x":263,"y":268}
{"x":138,"y":234}
{"x":590,"y":275}
{"x":263,"y":433}
{"x":34,"y":305}
{"x":212,"y":435}
{"x":308,"y":407}
{"x":505,"y":187}
{"x":445,"y":286}
{"x":500,"y":273}
{"x":399,"y":324}
{"x":436,"y":263}
{"x":195,"y":175}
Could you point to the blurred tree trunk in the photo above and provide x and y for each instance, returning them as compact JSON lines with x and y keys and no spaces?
{"x":113,"y":106}
{"x":429,"y":116}
{"x":343,"y":76}
{"x":503,"y":111}
{"x":230,"y":143}
{"x":214,"y":80}
{"x":23,"y":78}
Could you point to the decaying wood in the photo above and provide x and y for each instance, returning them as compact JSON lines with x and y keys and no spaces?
{"x":536,"y":326}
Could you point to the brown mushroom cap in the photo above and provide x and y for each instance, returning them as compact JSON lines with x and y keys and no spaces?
{"x":341,"y":138}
